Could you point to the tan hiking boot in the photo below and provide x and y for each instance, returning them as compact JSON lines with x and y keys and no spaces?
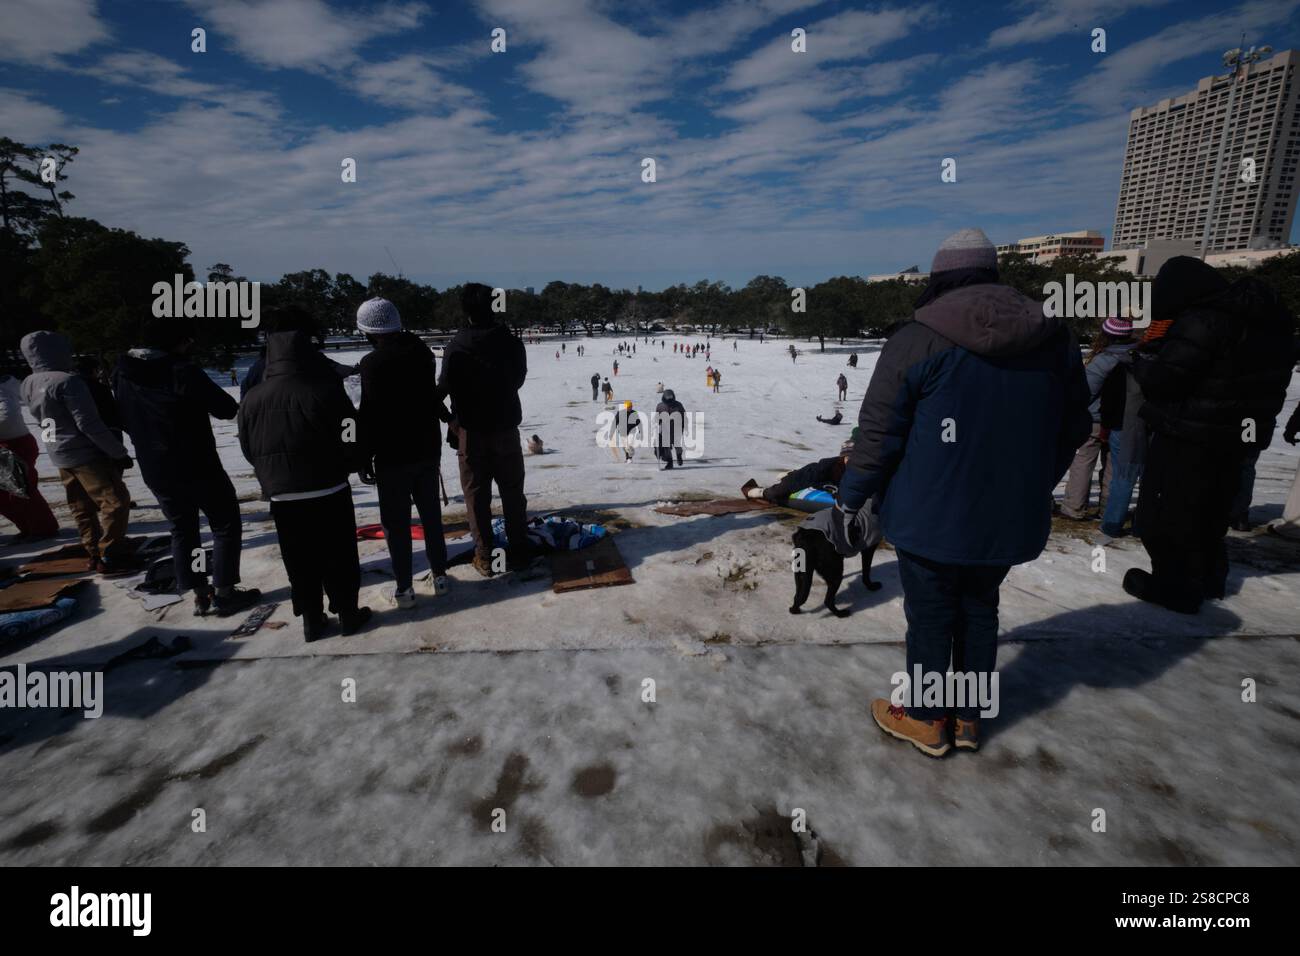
{"x":966,"y":733}
{"x":483,"y":566}
{"x":928,"y":736}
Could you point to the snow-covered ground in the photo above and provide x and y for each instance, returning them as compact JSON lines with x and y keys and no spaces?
{"x":1124,"y":706}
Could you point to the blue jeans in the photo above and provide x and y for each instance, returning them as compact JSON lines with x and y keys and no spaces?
{"x":952,"y":616}
{"x":1124,"y":478}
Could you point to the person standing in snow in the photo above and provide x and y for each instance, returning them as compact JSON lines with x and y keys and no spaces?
{"x":1212,"y":393}
{"x":842,"y":384}
{"x":670,"y":424}
{"x":89,"y":457}
{"x":615,"y":368}
{"x":402,"y":442}
{"x":1122,"y":472}
{"x":1288,"y":526}
{"x":30,"y":514}
{"x":595,"y":386}
{"x":717,"y":380}
{"x":167,"y":403}
{"x":971,"y":418}
{"x":1108,"y":348}
{"x":483,"y":369}
{"x":294,"y":427}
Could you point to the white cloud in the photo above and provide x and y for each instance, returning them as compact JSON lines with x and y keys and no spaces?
{"x":304,"y":34}
{"x":1121,"y":80}
{"x":33,"y":31}
{"x":1049,"y":19}
{"x":27,"y":120}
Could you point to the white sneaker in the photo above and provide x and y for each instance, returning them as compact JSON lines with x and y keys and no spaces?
{"x":404,"y":599}
{"x":440,"y":585}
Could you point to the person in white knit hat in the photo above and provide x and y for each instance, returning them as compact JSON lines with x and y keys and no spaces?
{"x":402,"y":441}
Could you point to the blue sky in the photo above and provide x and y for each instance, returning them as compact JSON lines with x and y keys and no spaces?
{"x":520,"y":167}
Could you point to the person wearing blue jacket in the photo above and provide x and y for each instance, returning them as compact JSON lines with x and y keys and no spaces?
{"x":971,"y":419}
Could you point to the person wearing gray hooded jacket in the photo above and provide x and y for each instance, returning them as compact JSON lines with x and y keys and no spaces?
{"x":88,"y":455}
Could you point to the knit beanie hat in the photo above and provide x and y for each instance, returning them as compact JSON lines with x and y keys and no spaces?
{"x":965,"y":249}
{"x":1182,"y":282}
{"x":1117,"y":327}
{"x":378,"y":316}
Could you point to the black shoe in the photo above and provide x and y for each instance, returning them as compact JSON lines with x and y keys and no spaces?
{"x":202,"y":603}
{"x":519,"y":558}
{"x":353,"y":621}
{"x":1242,"y":525}
{"x":240,"y":600}
{"x":313,"y":628}
{"x":1143,"y":586}
{"x":118,"y":567}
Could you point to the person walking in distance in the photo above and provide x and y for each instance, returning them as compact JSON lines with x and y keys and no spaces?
{"x":402,"y":442}
{"x":483,"y":369}
{"x":842,"y":384}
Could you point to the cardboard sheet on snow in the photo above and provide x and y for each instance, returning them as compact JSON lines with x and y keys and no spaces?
{"x":719,"y":506}
{"x":42,"y":592}
{"x":597,"y":566}
{"x":72,"y":558}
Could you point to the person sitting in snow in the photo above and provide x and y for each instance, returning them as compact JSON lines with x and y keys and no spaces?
{"x":824,"y":473}
{"x":833,"y":420}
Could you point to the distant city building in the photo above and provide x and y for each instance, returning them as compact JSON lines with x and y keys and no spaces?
{"x":911,"y":275}
{"x":1172,"y":149}
{"x":528,"y":289}
{"x":1042,"y":249}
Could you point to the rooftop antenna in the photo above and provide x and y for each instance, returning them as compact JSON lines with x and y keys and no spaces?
{"x":394,"y":262}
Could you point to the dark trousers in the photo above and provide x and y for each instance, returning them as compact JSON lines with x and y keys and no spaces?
{"x":318,"y":545}
{"x":486,"y":457}
{"x":1240,"y":510}
{"x":215,"y":498}
{"x":400,"y":486}
{"x":1182,"y":516}
{"x":952,"y":617}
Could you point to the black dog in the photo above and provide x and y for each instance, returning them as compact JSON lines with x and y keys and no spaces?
{"x":820,"y":556}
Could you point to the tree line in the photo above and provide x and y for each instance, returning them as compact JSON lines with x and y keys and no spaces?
{"x":94,"y":283}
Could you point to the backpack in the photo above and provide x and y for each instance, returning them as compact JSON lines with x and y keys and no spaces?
{"x":13,"y":473}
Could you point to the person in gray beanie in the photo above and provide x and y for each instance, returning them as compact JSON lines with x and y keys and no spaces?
{"x":973,"y":414}
{"x":402,"y":441}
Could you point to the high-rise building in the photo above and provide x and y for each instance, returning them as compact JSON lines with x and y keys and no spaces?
{"x":1173,"y":148}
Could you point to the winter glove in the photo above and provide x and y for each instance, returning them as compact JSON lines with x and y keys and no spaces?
{"x":453,"y":436}
{"x":1290,"y":436}
{"x":124,"y":463}
{"x":845,"y":533}
{"x":367,"y":473}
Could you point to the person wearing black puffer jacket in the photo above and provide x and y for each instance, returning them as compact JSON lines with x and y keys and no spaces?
{"x":294,"y":427}
{"x":483,"y":369}
{"x":1212,"y":392}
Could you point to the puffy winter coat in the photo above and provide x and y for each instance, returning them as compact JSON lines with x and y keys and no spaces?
{"x":1222,"y":362}
{"x":1098,"y":370}
{"x":291,"y":425}
{"x":400,"y":408}
{"x":483,"y":369}
{"x":55,"y":392}
{"x":670,"y":422}
{"x":165,"y":401}
{"x":974,"y":411}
